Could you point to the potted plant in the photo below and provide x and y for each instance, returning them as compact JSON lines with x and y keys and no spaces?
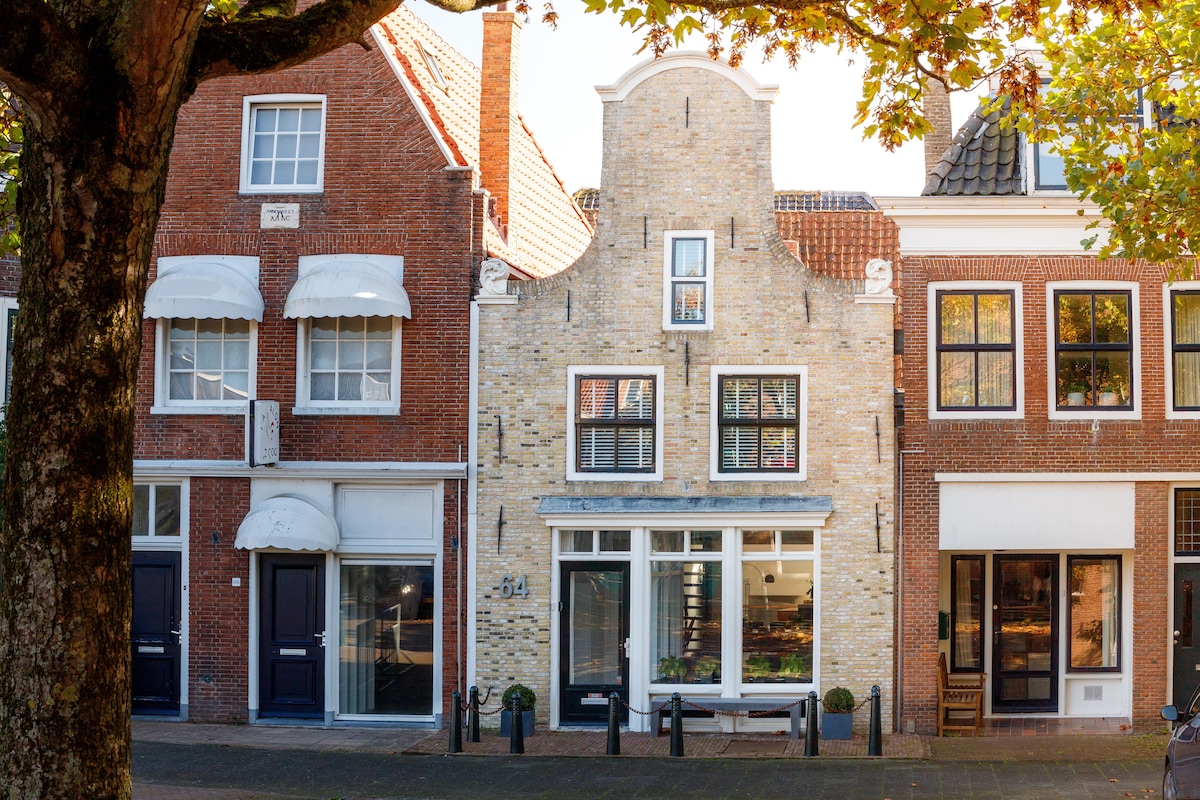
{"x":707,"y":669}
{"x":792,"y":665}
{"x":528,"y":702}
{"x":838,"y":713}
{"x":1077,"y":394}
{"x":671,"y":669}
{"x":757,"y":667}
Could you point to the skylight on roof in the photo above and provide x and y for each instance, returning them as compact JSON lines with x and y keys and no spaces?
{"x":434,"y":69}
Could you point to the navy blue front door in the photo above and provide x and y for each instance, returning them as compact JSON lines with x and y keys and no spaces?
{"x":291,"y":661}
{"x":155,"y":632}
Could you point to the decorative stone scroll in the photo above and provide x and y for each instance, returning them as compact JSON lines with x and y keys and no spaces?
{"x":878,"y":287}
{"x":493,"y":278}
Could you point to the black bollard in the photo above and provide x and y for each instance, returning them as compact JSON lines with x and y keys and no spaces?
{"x":812,"y":734}
{"x":875,"y":738}
{"x":516,"y":738}
{"x":614,"y":725}
{"x":455,"y":723}
{"x":473,"y":715}
{"x":676,"y":726}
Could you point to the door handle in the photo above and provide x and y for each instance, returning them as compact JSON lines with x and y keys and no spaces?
{"x":320,"y":637}
{"x":176,"y":633}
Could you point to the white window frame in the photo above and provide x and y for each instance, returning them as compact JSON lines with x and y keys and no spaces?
{"x":305,"y":405}
{"x":669,"y":238}
{"x":1135,"y":336}
{"x":163,"y":404}
{"x":7,"y":306}
{"x":252,"y":102}
{"x":1018,"y":343}
{"x":714,"y":440}
{"x":152,"y":542}
{"x":572,"y":405}
{"x":1170,"y":289}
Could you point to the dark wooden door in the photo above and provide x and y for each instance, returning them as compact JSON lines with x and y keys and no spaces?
{"x":594,"y":635}
{"x":291,"y":660}
{"x":157,"y":595}
{"x":1025,"y":633}
{"x":1186,"y":649}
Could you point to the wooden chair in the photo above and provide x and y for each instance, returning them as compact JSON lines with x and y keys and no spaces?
{"x":957,"y":700}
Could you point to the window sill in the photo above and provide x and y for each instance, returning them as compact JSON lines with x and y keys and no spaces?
{"x":1093,"y":413}
{"x":358,"y":411}
{"x":976,"y":415}
{"x":281,"y":191}
{"x":761,"y":477}
{"x":231,"y":410}
{"x":614,"y":477}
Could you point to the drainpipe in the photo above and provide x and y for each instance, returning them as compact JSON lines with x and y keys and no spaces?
{"x":900,"y":592}
{"x":472,"y":487}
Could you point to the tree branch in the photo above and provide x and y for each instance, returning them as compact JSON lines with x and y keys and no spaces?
{"x":40,"y":57}
{"x":261,"y":43}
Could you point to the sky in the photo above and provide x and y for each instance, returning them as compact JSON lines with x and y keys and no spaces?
{"x":814,"y":141}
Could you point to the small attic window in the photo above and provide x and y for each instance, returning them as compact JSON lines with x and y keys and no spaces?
{"x":434,"y":69}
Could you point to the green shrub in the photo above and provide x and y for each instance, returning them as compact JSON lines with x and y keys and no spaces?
{"x":839,"y":700}
{"x":528,"y":698}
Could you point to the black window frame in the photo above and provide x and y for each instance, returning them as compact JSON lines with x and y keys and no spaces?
{"x":758,"y":422}
{"x":976,"y":348}
{"x":617,"y":422}
{"x":1071,"y":559}
{"x":1176,"y":348}
{"x":1094,"y":348}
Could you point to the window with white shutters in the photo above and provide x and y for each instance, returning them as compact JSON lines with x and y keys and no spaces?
{"x":758,"y":427}
{"x":614,"y":423}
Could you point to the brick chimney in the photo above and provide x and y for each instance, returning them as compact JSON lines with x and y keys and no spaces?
{"x":498,"y":123}
{"x":935,"y":104}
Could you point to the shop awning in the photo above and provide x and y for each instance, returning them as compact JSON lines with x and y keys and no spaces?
{"x":347,"y":288}
{"x":286,"y":522}
{"x":203,"y":290}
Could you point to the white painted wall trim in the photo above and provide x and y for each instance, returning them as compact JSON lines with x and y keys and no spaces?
{"x":990,"y":226}
{"x":333,"y":470}
{"x":1064,"y":477}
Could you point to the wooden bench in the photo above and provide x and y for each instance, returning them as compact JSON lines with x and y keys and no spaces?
{"x":960,"y":700}
{"x":739,"y":704}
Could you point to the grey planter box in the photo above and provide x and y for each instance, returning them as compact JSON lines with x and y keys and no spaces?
{"x":836,"y":726}
{"x":506,"y":723}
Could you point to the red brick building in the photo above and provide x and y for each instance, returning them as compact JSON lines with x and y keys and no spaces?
{"x":1049,"y":457}
{"x":319,"y":248}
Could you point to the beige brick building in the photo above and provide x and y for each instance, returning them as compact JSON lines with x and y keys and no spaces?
{"x":685,"y":446}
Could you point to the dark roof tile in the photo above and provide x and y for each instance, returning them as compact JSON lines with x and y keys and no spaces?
{"x":984,"y":159}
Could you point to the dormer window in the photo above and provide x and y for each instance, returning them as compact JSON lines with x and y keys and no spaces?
{"x":1049,"y":169}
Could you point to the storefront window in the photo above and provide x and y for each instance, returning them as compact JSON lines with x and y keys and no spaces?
{"x":387,"y":639}
{"x":966,"y":652}
{"x":685,"y":608}
{"x":1094,"y":613}
{"x":777,"y":606}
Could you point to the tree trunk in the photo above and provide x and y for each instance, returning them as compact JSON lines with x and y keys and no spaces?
{"x":89,"y":203}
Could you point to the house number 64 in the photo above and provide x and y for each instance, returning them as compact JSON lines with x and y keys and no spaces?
{"x":510,"y":586}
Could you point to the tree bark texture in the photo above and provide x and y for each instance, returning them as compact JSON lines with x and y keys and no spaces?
{"x":101,"y":83}
{"x":93,"y":176}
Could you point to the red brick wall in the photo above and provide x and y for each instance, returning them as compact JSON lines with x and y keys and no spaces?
{"x":1035,"y":444}
{"x":386,"y":191}
{"x":218,"y":618}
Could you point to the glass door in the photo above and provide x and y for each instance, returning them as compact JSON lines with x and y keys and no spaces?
{"x":1025,"y":633}
{"x":594,"y":631}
